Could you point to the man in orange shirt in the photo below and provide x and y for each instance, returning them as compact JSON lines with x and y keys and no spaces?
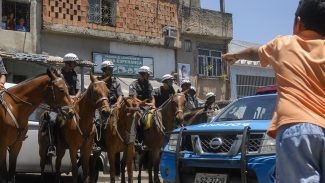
{"x":298,"y":122}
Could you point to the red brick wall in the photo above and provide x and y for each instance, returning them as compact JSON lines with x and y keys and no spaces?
{"x":139,"y":17}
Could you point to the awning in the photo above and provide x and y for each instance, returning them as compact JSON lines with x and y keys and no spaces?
{"x":40,"y":58}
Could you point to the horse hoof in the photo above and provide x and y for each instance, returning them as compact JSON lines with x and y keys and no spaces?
{"x":12,"y":180}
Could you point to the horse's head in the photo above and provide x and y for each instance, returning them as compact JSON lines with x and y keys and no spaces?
{"x":57,"y":95}
{"x":179,"y":101}
{"x":99,"y":95}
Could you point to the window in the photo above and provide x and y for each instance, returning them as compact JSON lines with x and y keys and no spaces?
{"x":15,"y":16}
{"x":102,"y":12}
{"x":209,"y":63}
{"x":246,"y":85}
{"x":253,"y":108}
{"x":188,"y":45}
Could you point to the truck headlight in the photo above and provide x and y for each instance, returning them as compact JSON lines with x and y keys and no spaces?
{"x":172,"y":143}
{"x":268,"y":145}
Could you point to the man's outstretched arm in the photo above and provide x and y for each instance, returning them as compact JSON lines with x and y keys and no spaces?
{"x":247,"y":54}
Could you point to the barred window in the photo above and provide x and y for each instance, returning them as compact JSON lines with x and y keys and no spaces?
{"x":247,"y":85}
{"x":15,"y":16}
{"x":188,"y":45}
{"x":209,"y":63}
{"x":102,"y":12}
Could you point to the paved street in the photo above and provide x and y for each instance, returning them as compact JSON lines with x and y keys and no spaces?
{"x":34,"y":178}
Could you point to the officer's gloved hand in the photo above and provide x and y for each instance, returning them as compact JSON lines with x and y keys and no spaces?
{"x":74,"y":98}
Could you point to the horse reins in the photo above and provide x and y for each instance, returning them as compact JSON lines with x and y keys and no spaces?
{"x":62,"y":108}
{"x":13,"y":96}
{"x":96,"y":103}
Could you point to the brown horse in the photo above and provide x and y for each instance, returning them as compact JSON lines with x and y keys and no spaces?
{"x":165,"y":118}
{"x":17,"y":105}
{"x":117,"y":136}
{"x":79,"y":132}
{"x":200,"y":115}
{"x":196,"y":116}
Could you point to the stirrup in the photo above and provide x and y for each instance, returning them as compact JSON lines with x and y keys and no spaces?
{"x":138,"y":146}
{"x":96,"y":149}
{"x":51,"y":151}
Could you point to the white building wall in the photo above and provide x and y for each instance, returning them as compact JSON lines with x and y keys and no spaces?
{"x":59,"y":45}
{"x":164,"y":59}
{"x":246,"y":70}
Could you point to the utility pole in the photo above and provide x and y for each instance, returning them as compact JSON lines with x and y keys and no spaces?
{"x":222,"y":6}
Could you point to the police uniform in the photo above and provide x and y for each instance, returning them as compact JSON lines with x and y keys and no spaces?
{"x":191,"y":103}
{"x":3,"y":70}
{"x":71,"y":80}
{"x":141,"y":89}
{"x":114,"y":89}
{"x":161,"y":95}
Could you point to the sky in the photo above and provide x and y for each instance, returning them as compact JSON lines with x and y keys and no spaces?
{"x":258,"y":21}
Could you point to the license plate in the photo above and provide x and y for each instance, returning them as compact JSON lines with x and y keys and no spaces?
{"x":210,"y":178}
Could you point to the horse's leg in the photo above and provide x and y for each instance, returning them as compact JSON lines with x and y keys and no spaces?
{"x":117,"y":165}
{"x":85,"y":157}
{"x":3,"y":165}
{"x":142,"y":154}
{"x":155,"y":162}
{"x":111,"y":159}
{"x":74,"y":169}
{"x":60,"y":151}
{"x":123,"y":165}
{"x":129,"y":161}
{"x":42,"y":141}
{"x":13,"y":154}
{"x":150,"y":153}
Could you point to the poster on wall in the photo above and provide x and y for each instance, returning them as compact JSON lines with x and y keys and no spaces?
{"x":183,"y":72}
{"x":124,"y":65}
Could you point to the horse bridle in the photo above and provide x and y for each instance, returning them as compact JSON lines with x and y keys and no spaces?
{"x":100,"y":99}
{"x":167,"y":101}
{"x":58,"y":108}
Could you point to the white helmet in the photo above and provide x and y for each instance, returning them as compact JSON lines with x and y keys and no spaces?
{"x":186,"y":81}
{"x":193,"y":88}
{"x":144,"y":69}
{"x":210,"y":94}
{"x":166,"y":77}
{"x":107,"y":63}
{"x":70,"y":57}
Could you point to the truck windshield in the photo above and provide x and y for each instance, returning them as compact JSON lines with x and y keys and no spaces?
{"x":251,"y":108}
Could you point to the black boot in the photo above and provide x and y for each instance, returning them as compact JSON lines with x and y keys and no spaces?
{"x":96,"y":149}
{"x":51,"y":151}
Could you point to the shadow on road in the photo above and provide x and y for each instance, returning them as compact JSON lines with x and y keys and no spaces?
{"x":34,"y":178}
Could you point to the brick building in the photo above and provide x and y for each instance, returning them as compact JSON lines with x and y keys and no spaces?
{"x":131,"y":32}
{"x":204,"y":35}
{"x":159,"y":33}
{"x":126,"y":30}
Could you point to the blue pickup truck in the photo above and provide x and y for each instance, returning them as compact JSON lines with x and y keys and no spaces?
{"x":233,"y":147}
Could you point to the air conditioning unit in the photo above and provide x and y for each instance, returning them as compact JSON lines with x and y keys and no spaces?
{"x":171,"y":32}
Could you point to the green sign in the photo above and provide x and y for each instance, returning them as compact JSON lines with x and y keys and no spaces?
{"x":123,"y":64}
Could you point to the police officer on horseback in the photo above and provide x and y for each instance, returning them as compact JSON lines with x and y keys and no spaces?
{"x":164,"y":92}
{"x":69,"y":75}
{"x":191,"y":99}
{"x":115,"y":91}
{"x":3,"y":73}
{"x":142,"y":89}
